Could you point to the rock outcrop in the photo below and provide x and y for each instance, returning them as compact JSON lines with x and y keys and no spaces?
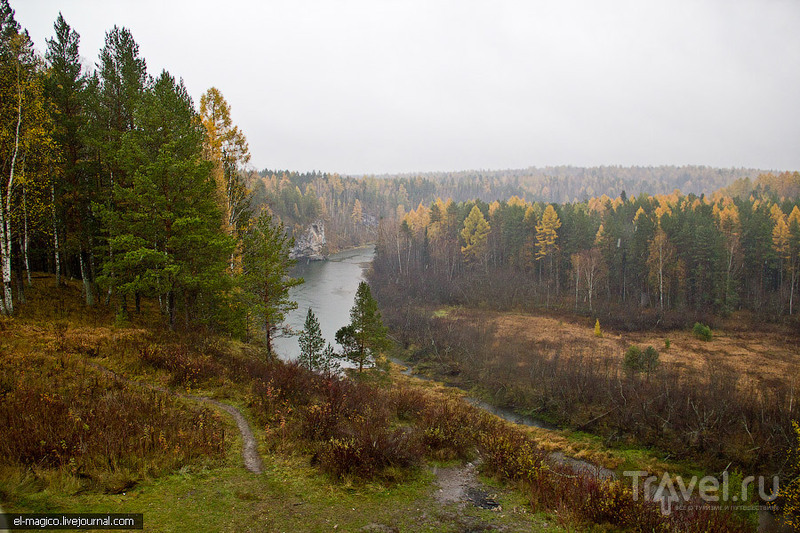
{"x":311,"y":244}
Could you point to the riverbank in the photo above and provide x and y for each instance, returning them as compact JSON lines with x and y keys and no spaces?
{"x":329,"y":289}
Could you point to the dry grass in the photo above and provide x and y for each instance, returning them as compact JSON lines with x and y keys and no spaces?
{"x":758,"y":357}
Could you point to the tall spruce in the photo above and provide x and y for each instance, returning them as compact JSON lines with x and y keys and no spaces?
{"x":311,"y":342}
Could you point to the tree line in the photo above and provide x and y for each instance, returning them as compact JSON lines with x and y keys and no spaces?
{"x":646,"y":258}
{"x":114,"y":177}
{"x":352,"y":206}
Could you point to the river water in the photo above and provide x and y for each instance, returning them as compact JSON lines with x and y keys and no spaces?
{"x":329,"y":290}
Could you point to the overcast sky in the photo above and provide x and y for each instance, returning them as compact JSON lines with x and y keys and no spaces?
{"x":371,"y":86}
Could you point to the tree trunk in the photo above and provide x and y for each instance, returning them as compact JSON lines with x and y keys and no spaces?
{"x":5,"y":218}
{"x":25,"y":238}
{"x":56,"y":255}
{"x":87,"y":284}
{"x":171,"y":306}
{"x":791,"y":289}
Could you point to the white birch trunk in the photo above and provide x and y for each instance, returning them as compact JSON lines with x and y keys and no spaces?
{"x":25,"y":236}
{"x":5,"y":218}
{"x":56,"y":255}
{"x":87,"y":285}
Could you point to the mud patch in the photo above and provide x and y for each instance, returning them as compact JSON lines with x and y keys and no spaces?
{"x":454,"y":482}
{"x":481,"y":499}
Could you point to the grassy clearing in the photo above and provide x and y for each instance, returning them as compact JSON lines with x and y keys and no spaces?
{"x":761,"y":355}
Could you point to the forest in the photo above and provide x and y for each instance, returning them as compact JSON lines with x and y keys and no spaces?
{"x":113,"y":176}
{"x":495,"y":297}
{"x":350,"y":206}
{"x":644,"y":261}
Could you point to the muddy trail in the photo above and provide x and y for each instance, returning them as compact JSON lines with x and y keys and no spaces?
{"x":252,"y":460}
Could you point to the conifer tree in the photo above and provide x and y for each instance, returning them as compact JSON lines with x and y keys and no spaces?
{"x":475,"y":235}
{"x":164,"y":226}
{"x":365,"y":337}
{"x":226,"y":148}
{"x":311,"y":343}
{"x":71,"y":194}
{"x":265,"y":274}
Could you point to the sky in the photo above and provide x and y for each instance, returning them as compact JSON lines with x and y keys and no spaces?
{"x":376,"y":86}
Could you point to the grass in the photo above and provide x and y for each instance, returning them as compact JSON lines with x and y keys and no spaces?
{"x":290,"y":496}
{"x":339,"y":454}
{"x":215,"y":493}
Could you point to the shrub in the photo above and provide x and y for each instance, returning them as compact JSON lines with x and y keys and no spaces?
{"x":597,"y":332}
{"x":649,"y":360}
{"x":637,"y":360}
{"x":511,"y":454}
{"x":701,"y":331}
{"x":368,"y":450}
{"x":450,"y":428}
{"x":667,"y":344}
{"x":633,"y":359}
{"x":103,"y":430}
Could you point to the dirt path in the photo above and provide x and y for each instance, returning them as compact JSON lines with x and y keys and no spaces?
{"x":252,"y":460}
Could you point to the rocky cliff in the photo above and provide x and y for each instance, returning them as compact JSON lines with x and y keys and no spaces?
{"x":311,"y":244}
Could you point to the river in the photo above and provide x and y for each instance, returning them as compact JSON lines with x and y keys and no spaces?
{"x":329,"y":290}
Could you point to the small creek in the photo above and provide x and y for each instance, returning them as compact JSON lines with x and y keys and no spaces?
{"x":767,"y":522}
{"x":515,"y":418}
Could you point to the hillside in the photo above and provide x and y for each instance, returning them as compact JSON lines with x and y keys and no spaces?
{"x":129,"y":417}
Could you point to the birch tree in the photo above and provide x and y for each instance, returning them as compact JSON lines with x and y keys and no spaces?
{"x":23,"y":129}
{"x":662,"y":255}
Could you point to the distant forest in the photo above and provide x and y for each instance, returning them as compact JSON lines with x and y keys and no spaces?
{"x":350,"y":206}
{"x":637,"y":261}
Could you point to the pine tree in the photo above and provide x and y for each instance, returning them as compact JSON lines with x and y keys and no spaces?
{"x":365,"y":337}
{"x":65,"y":84}
{"x":265,"y":274}
{"x":311,"y":343}
{"x":164,"y":226}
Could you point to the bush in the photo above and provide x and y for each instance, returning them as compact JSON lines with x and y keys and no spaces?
{"x":667,"y":344}
{"x":368,"y":448}
{"x":511,"y":454}
{"x":701,"y":331}
{"x":100,"y":429}
{"x":597,"y":331}
{"x":633,"y":357}
{"x":637,"y":360}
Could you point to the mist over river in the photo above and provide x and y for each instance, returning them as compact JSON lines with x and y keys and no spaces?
{"x":329,"y":289}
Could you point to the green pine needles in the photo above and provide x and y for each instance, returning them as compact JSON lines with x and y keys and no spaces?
{"x":315,"y":354}
{"x":365,"y":337}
